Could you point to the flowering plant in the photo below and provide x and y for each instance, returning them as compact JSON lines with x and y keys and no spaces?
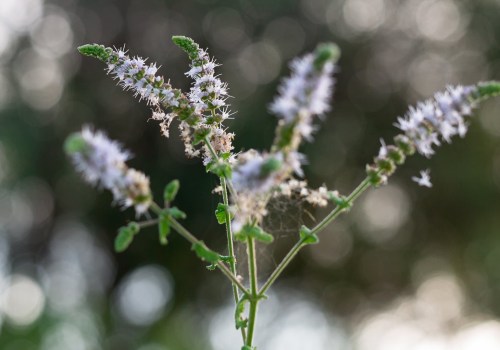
{"x":250,"y":180}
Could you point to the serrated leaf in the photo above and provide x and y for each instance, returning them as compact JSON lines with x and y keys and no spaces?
{"x":163,"y":229}
{"x":307,"y":236}
{"x":123,"y":239}
{"x":204,"y":253}
{"x":249,"y":231}
{"x":171,"y":190}
{"x":221,"y":213}
{"x":221,"y":169}
{"x":176,"y":213}
{"x":239,"y":320}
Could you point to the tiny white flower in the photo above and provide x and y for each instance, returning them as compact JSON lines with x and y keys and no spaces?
{"x":424,"y":179}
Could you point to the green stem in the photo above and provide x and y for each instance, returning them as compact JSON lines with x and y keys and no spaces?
{"x":230,"y":246}
{"x":362,"y":187}
{"x":192,"y":239}
{"x":148,"y":223}
{"x":254,"y":296}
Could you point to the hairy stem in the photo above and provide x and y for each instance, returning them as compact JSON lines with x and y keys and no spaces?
{"x":193,"y":240}
{"x":225,"y":270}
{"x":230,"y":247}
{"x":362,"y":187}
{"x":254,"y":296}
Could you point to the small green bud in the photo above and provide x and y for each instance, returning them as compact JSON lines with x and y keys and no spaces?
{"x":487,"y":89}
{"x":74,"y":143}
{"x":396,"y":155}
{"x":324,"y":53}
{"x":97,"y":51}
{"x":307,"y":236}
{"x":221,"y":212}
{"x":375,"y":175}
{"x":271,"y":165}
{"x":405,"y":144}
{"x":386,"y":164}
{"x":187,"y":45}
{"x":171,"y":191}
{"x":339,"y":200}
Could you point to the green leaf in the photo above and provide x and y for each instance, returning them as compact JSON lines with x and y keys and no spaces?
{"x":124,"y":239}
{"x":204,"y":253}
{"x":239,"y":320}
{"x":246,"y":347}
{"x":221,"y":212}
{"x":171,"y":191}
{"x":249,"y":231}
{"x":164,"y":228}
{"x":307,"y":236}
{"x":220,"y":168}
{"x":176,"y":213}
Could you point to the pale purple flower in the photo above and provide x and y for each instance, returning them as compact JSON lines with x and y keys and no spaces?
{"x":134,"y":74}
{"x":101,"y":162}
{"x":439,"y":118}
{"x":424,"y":179}
{"x":305,"y":94}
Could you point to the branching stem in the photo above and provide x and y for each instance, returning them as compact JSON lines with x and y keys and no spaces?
{"x":362,"y":187}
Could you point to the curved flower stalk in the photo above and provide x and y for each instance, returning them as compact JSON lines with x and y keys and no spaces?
{"x":424,"y":127}
{"x":208,"y":95}
{"x":303,"y":95}
{"x":101,"y":161}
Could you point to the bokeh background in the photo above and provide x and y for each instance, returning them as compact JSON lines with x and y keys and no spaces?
{"x":407,"y":269}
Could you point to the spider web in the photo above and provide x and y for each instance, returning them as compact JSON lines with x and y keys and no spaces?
{"x":285,"y":217}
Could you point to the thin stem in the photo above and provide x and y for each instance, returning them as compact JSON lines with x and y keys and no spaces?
{"x":230,"y":246}
{"x":254,"y":299}
{"x":148,"y":223}
{"x":362,"y":187}
{"x":192,"y":239}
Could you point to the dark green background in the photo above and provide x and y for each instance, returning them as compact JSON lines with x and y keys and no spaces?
{"x":394,"y":53}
